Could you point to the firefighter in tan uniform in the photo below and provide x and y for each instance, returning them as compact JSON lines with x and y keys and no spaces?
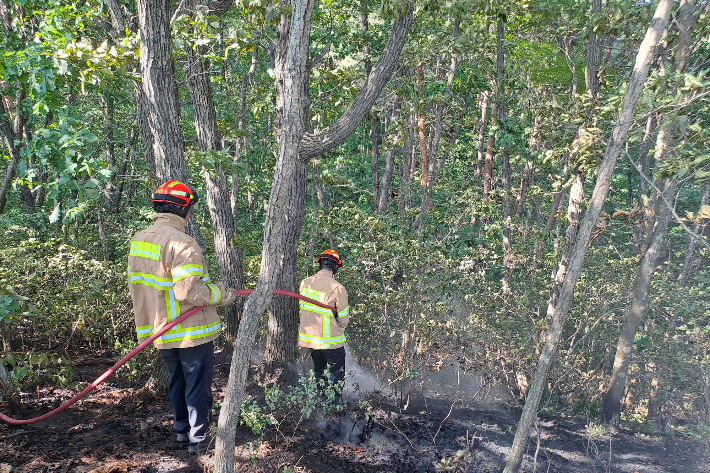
{"x":319,"y":329}
{"x":167,"y":277}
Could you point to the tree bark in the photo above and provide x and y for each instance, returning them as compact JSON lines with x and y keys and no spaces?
{"x":374,"y":157}
{"x":482,"y":133}
{"x":593,"y":62}
{"x":290,"y":82}
{"x":404,"y":202}
{"x":293,"y":146}
{"x":229,"y":258}
{"x":558,"y":313}
{"x":11,"y":133}
{"x":420,"y":125}
{"x":242,"y":144}
{"x":386,"y":182}
{"x":118,"y":30}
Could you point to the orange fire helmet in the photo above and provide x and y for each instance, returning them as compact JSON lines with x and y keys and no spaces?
{"x":175,"y":192}
{"x":332,"y":255}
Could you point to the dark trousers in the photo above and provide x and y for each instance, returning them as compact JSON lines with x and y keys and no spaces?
{"x":334,"y":359}
{"x":190,"y":388}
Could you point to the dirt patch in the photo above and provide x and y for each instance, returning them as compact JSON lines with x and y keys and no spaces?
{"x":122,"y":428}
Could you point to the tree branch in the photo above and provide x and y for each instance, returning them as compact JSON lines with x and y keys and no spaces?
{"x":315,"y":144}
{"x":690,"y":232}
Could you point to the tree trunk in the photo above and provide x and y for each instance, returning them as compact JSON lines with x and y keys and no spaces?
{"x":672,"y":129}
{"x":242,"y":144}
{"x":374,"y":156}
{"x":11,"y":133}
{"x":420,"y":125}
{"x":282,"y":331}
{"x":558,"y":313}
{"x":386,"y":182}
{"x":404,"y":202}
{"x":294,"y":145}
{"x":290,"y":79}
{"x":229,"y":258}
{"x":117,"y":32}
{"x":593,"y":62}
{"x":482,"y":134}
{"x":426,"y":205}
{"x":505,"y":165}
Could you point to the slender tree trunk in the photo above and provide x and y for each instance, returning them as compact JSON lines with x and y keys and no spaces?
{"x":374,"y":156}
{"x":505,"y":164}
{"x":405,"y":181}
{"x":229,"y":258}
{"x":386,"y":181}
{"x":10,"y":132}
{"x":482,"y":133}
{"x":558,"y":313}
{"x":426,"y":205}
{"x":242,"y":144}
{"x":420,"y":125}
{"x":591,"y":70}
{"x":102,"y":234}
{"x":526,"y":179}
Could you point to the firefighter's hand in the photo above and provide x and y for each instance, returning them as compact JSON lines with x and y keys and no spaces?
{"x":230,"y":299}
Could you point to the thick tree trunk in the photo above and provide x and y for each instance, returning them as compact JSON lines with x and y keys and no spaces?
{"x":290,"y":85}
{"x":293,"y":146}
{"x":558,"y":313}
{"x":284,"y":315}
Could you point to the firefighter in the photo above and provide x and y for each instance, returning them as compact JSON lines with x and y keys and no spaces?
{"x":320,"y":330}
{"x":167,"y":277}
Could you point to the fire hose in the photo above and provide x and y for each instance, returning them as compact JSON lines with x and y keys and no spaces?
{"x":140,"y":348}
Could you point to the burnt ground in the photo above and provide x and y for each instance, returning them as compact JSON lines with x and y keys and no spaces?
{"x":123,"y":428}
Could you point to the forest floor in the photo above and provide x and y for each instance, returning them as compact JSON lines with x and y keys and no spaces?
{"x":123,"y":428}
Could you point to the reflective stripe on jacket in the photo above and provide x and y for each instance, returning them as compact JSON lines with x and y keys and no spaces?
{"x":167,"y":276}
{"x":318,"y":328}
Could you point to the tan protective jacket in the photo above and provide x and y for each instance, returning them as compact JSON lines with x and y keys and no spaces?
{"x":319,"y":329}
{"x":167,"y":276}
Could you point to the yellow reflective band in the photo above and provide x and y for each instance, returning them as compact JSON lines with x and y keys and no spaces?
{"x":313,"y":294}
{"x":314,"y":308}
{"x":187,"y":271}
{"x":322,"y":340}
{"x":190,"y":333}
{"x":143,"y":249}
{"x":345,"y":312}
{"x":216,"y":294}
{"x":149,"y":280}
